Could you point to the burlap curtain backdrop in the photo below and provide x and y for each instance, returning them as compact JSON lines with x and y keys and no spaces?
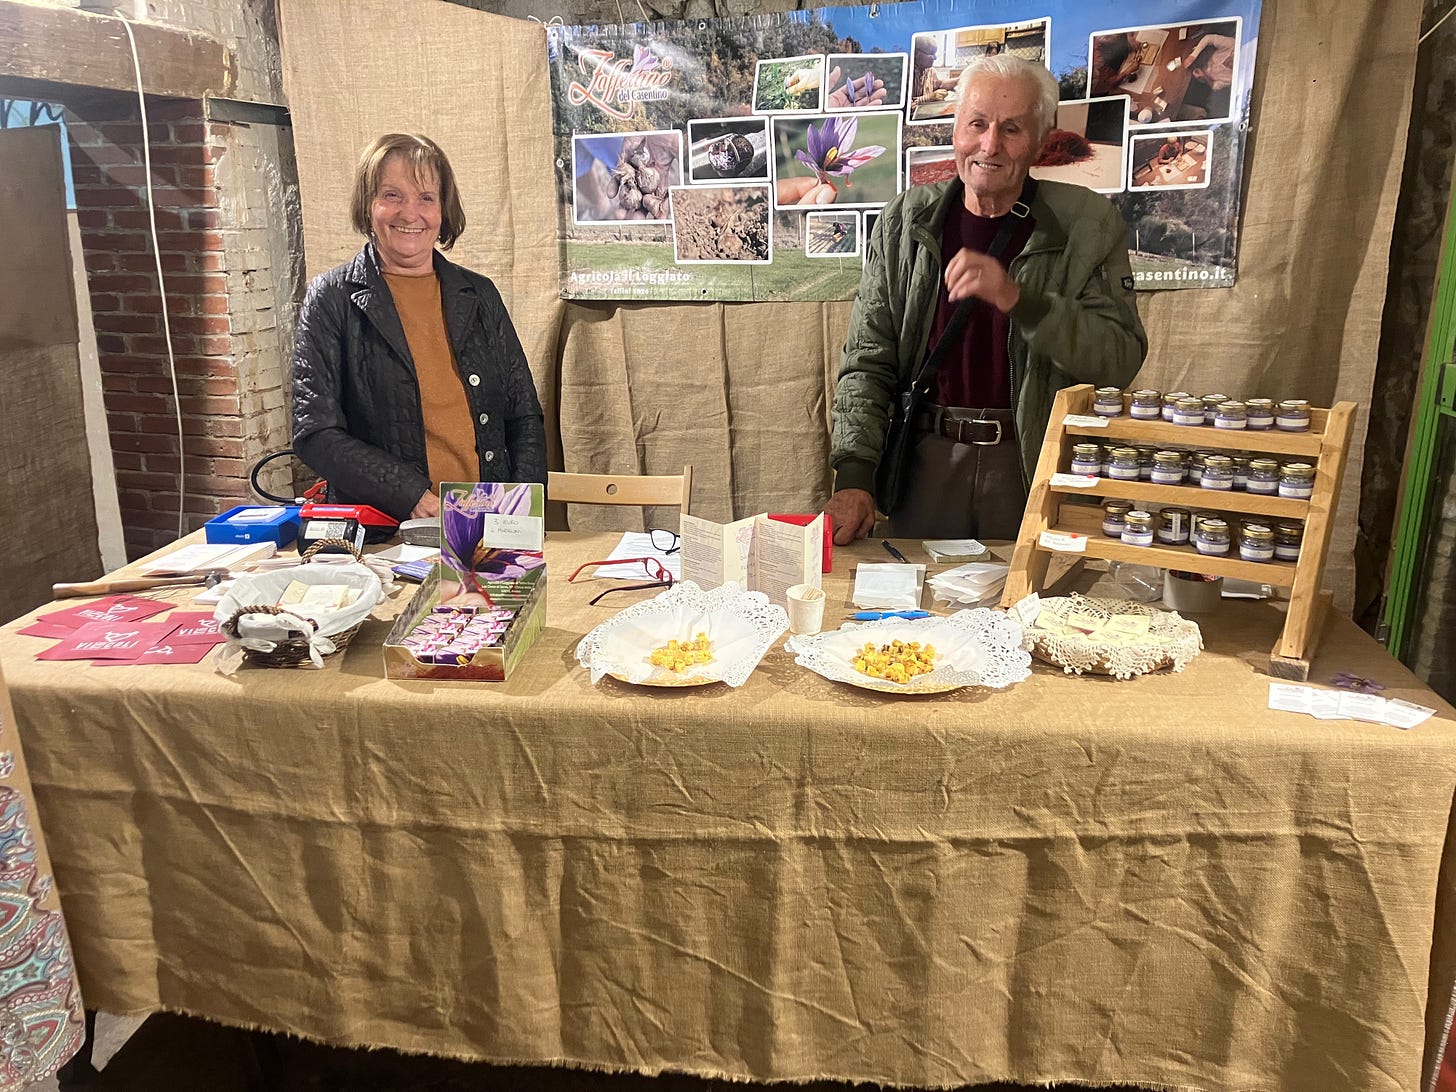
{"x":742,"y":391}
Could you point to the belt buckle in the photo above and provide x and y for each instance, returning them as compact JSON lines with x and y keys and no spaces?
{"x":987,"y":443}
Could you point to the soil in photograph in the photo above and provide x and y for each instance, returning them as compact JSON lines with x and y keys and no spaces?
{"x":722,"y":225}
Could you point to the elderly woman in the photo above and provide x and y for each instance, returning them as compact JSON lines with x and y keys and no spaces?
{"x":407,"y":371}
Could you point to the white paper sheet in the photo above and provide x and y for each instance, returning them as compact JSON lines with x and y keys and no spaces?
{"x":201,"y":556}
{"x":405,"y":552}
{"x":1346,"y":705}
{"x":894,"y":586}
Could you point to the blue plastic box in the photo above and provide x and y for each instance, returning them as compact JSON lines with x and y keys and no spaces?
{"x":275,"y":523}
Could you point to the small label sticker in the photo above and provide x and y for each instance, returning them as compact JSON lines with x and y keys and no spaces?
{"x":1076,"y":481}
{"x":514,"y":532}
{"x":1127,"y":282}
{"x":1077,"y":420}
{"x":1064,"y":542}
{"x":326,"y":528}
{"x":1026,"y":611}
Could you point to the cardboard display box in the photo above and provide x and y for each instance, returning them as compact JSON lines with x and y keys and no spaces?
{"x":491,"y":534}
{"x":494,"y":663}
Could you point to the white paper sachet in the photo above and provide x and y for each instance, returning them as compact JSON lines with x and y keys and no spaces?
{"x":892,"y":586}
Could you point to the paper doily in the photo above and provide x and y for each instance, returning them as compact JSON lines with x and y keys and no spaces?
{"x":976,"y":647}
{"x":1171,"y":641}
{"x":741,"y":625}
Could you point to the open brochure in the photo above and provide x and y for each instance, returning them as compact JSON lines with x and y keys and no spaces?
{"x":761,"y":554}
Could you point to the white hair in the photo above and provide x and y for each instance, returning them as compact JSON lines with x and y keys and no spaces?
{"x":1005,"y":66}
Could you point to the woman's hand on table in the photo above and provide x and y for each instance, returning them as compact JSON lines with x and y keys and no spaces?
{"x":428,"y":505}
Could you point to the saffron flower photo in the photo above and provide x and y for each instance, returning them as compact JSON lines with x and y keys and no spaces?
{"x":866,"y":81}
{"x":848,"y":160}
{"x":466,"y":512}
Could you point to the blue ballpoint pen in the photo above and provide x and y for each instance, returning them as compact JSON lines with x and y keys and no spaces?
{"x":876,"y":615}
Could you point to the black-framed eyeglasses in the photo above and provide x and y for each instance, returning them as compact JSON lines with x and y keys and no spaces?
{"x":665,"y":542}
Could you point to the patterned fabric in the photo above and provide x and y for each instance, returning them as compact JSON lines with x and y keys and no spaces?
{"x":41,"y":1019}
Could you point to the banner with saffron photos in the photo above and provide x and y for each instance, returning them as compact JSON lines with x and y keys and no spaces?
{"x":748,"y":158}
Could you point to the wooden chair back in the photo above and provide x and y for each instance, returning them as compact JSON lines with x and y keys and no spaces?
{"x":674,"y":490}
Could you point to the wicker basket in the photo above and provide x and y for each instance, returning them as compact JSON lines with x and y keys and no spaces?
{"x":293,"y":651}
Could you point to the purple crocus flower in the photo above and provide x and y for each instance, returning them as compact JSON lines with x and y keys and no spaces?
{"x":643,"y":59}
{"x":863,"y":92}
{"x":829,"y":149}
{"x":462,"y":523}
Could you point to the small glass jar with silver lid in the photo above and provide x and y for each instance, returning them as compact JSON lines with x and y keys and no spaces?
{"x":1231,"y":414}
{"x":1087,"y":459}
{"x":1174,"y":526}
{"x":1293,"y":415}
{"x":1107,"y":402}
{"x":1188,"y":411}
{"x":1124,"y":464}
{"x":1211,"y":402}
{"x":1256,"y":542}
{"x":1218,"y":472}
{"x":1296,"y":481}
{"x":1196,"y":519}
{"x":1263,"y":476}
{"x":1114,"y":517}
{"x":1260,"y":413}
{"x":1147,"y":405}
{"x":1167,"y":468}
{"x":1288,"y":538}
{"x":1137,"y":528}
{"x":1212,"y":536}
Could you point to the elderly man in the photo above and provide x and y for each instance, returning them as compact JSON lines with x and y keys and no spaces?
{"x":1046,"y":267}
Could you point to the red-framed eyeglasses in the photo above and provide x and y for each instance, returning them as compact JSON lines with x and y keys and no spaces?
{"x":658,"y":575}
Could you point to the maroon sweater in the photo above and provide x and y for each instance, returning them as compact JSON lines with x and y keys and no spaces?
{"x":979,"y":375}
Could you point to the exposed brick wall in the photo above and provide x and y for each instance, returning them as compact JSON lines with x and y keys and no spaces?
{"x":221,"y":300}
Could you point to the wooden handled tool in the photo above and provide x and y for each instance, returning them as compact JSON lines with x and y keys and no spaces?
{"x":109,"y":586}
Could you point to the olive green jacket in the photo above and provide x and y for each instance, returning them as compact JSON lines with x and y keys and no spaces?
{"x":1076,"y":320}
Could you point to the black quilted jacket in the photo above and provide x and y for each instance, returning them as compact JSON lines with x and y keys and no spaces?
{"x":356,"y":401}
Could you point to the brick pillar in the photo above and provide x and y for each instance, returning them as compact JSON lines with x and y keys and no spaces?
{"x":110,"y":180}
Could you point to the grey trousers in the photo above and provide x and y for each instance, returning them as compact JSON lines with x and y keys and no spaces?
{"x":962,"y":490}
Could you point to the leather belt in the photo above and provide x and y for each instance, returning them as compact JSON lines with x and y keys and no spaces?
{"x":982,"y":431}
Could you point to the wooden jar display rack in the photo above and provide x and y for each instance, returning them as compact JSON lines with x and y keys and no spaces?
{"x":1054,"y":507}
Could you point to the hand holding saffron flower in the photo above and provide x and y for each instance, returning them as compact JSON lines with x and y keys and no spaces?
{"x":861,"y":92}
{"x":832,"y":152}
{"x":805,"y":191}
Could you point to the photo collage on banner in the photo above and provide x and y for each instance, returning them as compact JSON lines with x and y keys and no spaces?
{"x":749,"y":158}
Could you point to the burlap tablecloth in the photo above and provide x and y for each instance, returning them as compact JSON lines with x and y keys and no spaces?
{"x":1156,"y":881}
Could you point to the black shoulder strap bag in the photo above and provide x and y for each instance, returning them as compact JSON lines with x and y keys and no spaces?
{"x":893,"y":473}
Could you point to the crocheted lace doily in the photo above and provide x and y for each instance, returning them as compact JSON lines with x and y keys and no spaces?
{"x":741,"y":626}
{"x":977,"y":647}
{"x":1171,"y":640}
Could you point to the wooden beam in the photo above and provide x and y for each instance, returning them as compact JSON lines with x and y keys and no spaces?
{"x":62,"y":48}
